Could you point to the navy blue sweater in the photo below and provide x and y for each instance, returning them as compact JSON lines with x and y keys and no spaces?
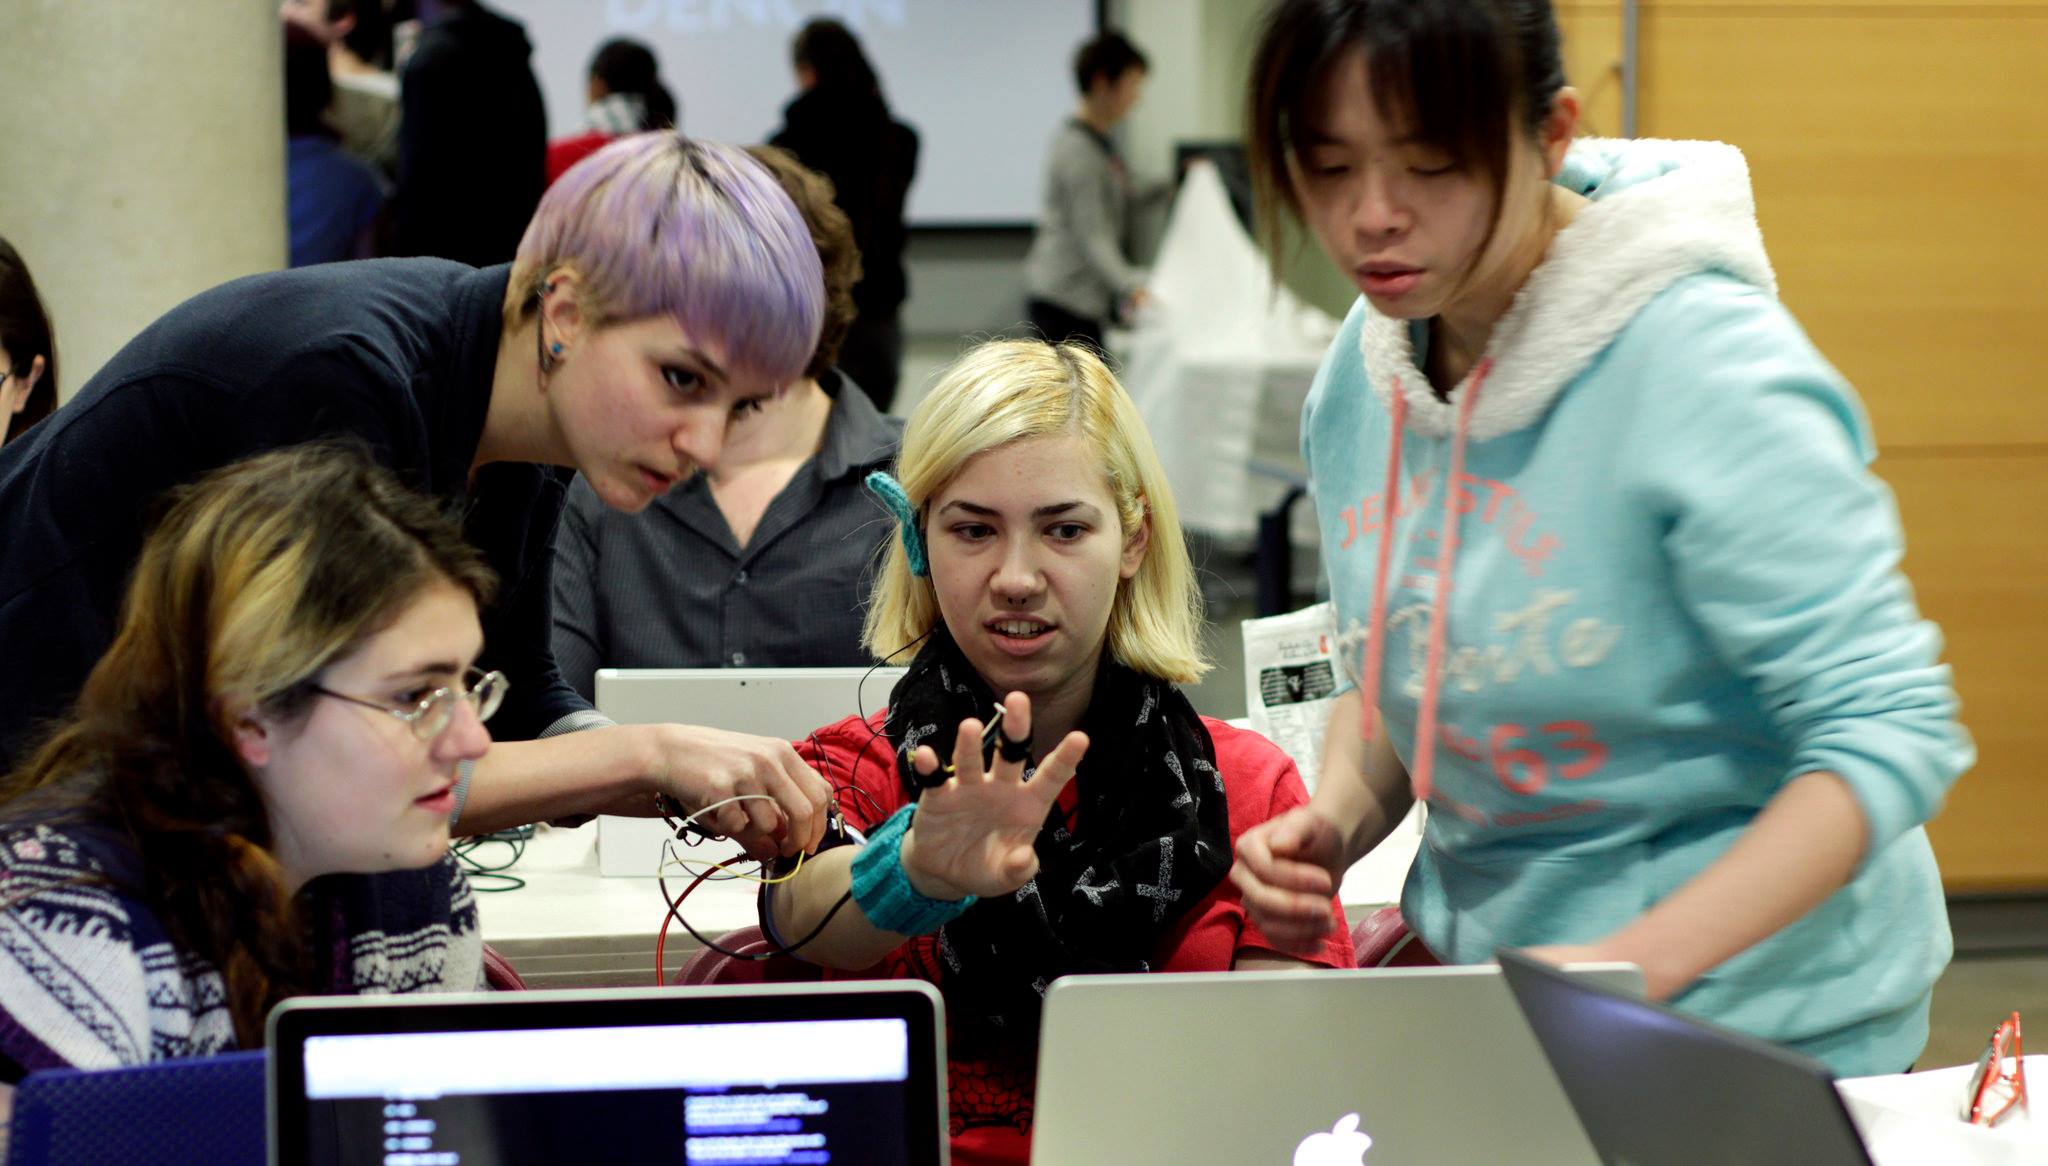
{"x":397,"y":353}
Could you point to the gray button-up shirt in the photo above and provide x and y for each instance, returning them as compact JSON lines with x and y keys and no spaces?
{"x":670,"y":587}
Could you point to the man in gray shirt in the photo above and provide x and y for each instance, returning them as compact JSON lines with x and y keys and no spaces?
{"x":1076,"y":271}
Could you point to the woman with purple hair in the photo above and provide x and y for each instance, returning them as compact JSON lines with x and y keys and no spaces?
{"x":664,"y":288}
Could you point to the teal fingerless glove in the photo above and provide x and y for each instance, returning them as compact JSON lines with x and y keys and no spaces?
{"x":883,"y":892}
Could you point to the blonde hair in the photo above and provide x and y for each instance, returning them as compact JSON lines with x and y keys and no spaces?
{"x":1009,"y":391}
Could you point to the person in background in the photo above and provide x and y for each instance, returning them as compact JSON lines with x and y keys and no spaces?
{"x":1617,"y":592}
{"x":625,"y":96}
{"x":28,"y":352}
{"x":332,"y":199}
{"x":611,"y":346}
{"x":364,"y":110}
{"x":1076,"y":274}
{"x":762,"y":559}
{"x":288,"y":693}
{"x":839,"y":124}
{"x":473,"y":137}
{"x":1040,"y":562}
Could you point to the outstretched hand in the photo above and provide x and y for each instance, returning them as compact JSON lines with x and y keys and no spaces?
{"x":975,"y":834}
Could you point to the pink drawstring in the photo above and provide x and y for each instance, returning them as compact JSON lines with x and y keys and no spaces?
{"x":1439,"y":616}
{"x":1369,"y":682}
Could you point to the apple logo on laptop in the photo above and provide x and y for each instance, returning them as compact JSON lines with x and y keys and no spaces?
{"x":1344,"y":1145}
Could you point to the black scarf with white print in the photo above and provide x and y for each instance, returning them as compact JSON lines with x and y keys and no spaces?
{"x":1150,"y":839}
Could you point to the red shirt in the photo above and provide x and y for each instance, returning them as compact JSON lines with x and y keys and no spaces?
{"x":990,"y":1096}
{"x":566,"y":152}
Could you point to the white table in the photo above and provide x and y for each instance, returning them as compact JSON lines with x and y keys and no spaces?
{"x":570,"y":927}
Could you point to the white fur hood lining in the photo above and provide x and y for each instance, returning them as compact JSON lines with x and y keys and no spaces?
{"x":1692,"y":211}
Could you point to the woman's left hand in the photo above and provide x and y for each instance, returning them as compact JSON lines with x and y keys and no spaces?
{"x":975,"y":833}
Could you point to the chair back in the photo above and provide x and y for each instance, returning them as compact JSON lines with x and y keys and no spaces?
{"x":201,"y":1111}
{"x":1382,"y":940}
{"x":706,"y":966}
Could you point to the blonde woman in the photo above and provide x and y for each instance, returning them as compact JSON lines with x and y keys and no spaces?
{"x":288,"y":694}
{"x":1041,"y":564}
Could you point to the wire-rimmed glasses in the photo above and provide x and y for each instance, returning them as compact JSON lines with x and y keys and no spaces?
{"x":428,"y":719}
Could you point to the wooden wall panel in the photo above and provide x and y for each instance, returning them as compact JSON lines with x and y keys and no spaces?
{"x":1977,"y":553}
{"x":1901,"y":171}
{"x":1592,"y":62}
{"x":1902,"y":174}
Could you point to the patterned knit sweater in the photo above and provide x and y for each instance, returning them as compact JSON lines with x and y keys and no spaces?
{"x":90,"y":979}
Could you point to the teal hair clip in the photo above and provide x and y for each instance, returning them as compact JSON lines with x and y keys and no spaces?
{"x":890,"y":491}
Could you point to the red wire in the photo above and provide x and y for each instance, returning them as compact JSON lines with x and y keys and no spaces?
{"x":661,"y":940}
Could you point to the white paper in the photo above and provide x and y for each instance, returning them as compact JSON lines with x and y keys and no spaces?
{"x":1909,"y":1119}
{"x":1290,"y":674}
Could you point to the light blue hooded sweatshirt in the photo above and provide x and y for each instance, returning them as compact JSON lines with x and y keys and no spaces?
{"x":1672,"y":587}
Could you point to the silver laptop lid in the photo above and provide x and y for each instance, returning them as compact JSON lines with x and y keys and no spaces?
{"x":770,"y":702}
{"x":1386,"y":1067}
{"x":852,"y":1074}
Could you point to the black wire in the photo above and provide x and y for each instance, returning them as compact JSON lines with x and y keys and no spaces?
{"x":858,"y":693}
{"x":675,"y":914}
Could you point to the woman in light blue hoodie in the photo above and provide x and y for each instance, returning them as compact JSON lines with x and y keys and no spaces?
{"x":1618,"y":594}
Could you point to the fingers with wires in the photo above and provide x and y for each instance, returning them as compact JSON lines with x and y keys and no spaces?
{"x":706,"y":871}
{"x":971,"y":832}
{"x":975,"y":832}
{"x":754,"y":790}
{"x":801,"y":867}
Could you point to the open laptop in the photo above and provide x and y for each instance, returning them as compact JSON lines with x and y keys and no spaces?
{"x":1389,"y":1067}
{"x":1654,"y":1086}
{"x":768,"y":702}
{"x":852,"y":1074}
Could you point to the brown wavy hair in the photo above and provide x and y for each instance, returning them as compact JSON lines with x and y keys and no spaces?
{"x":256,"y":579}
{"x":832,"y":232}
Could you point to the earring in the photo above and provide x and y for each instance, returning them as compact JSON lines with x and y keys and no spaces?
{"x":555,"y":348}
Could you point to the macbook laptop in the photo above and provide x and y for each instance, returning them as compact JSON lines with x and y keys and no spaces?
{"x":1653,"y":1086}
{"x":850,"y":1074}
{"x":768,"y":702}
{"x":1388,"y":1067}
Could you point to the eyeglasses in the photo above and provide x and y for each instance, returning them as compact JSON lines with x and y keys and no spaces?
{"x":484,"y":691}
{"x":1996,"y":1092}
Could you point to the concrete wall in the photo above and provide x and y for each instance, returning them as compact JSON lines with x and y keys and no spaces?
{"x":144,"y":158}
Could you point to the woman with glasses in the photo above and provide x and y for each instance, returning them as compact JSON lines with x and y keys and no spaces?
{"x":665,"y":288}
{"x":288,"y":694}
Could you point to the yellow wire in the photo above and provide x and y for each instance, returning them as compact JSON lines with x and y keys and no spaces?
{"x":688,"y":865}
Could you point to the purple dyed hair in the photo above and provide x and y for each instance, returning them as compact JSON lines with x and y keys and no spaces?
{"x":658,"y":224}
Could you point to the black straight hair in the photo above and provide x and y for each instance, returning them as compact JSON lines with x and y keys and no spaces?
{"x":308,"y":84}
{"x":1461,"y":76}
{"x":25,"y":334}
{"x":370,"y":37}
{"x":628,"y":66}
{"x":830,"y":50}
{"x":1109,"y":55}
